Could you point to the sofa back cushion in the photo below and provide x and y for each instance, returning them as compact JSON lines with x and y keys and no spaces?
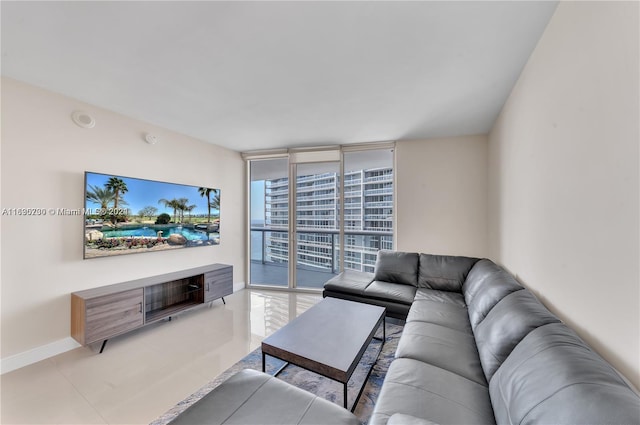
{"x":553,"y":377}
{"x":486,"y":284}
{"x":506,"y":325}
{"x":397,"y":267}
{"x":443,"y":272}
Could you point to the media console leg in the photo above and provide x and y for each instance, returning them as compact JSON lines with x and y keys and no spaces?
{"x":104,"y":343}
{"x":223,"y":301}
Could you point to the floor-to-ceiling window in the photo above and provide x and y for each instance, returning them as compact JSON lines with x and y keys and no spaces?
{"x":368,"y":206}
{"x":269,"y":222}
{"x":327,"y":235}
{"x":317,"y":223}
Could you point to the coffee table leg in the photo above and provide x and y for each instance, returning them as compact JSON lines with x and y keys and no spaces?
{"x":384,"y":329}
{"x":345,"y":395}
{"x":384,"y":338}
{"x":263,"y":362}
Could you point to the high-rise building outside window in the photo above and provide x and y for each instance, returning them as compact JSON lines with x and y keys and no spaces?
{"x":367,"y":226}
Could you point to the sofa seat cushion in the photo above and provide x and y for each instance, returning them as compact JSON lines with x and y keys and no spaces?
{"x":553,"y":377}
{"x":391,"y":291}
{"x":349,"y":282}
{"x":443,"y":347}
{"x":252,"y":397}
{"x":506,"y":325}
{"x":402,"y":419}
{"x":428,"y":392}
{"x":440,"y":296}
{"x":447,"y":315}
{"x":443,"y":272}
{"x":397,"y":267}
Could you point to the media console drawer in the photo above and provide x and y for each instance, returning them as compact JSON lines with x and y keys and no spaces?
{"x":102,"y":313}
{"x":112,"y":315}
{"x":218,"y":283}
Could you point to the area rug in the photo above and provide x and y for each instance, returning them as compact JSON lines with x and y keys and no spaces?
{"x":312,"y":382}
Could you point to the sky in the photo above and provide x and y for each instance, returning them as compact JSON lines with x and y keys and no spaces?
{"x":144,"y":193}
{"x":257,"y":200}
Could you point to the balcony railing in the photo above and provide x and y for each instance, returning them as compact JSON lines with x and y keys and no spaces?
{"x":315,"y":177}
{"x":324,"y":253}
{"x":383,"y":178}
{"x":329,"y":206}
{"x":315,"y":197}
{"x":308,"y":188}
{"x":273,"y":184}
{"x":384,"y":191}
{"x":378,"y":217}
{"x":386,"y":204}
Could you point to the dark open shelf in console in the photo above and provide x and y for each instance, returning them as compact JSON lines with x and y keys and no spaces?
{"x":168,"y":298}
{"x":159,"y":314}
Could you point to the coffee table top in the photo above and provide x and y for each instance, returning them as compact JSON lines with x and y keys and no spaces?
{"x":329,"y":338}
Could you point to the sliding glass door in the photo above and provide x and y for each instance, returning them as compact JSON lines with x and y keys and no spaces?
{"x":317,"y":223}
{"x":326,"y":236}
{"x":269,"y":222}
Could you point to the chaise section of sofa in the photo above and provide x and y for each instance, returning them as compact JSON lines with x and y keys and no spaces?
{"x":400,"y":278}
{"x":351,"y":285}
{"x":477,"y":347}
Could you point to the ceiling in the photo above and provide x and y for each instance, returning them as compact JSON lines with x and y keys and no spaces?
{"x":260,"y":75}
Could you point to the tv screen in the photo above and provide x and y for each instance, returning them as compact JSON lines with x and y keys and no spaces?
{"x":125,"y":215}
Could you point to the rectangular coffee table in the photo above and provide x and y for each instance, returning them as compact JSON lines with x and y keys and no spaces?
{"x":328,"y":339}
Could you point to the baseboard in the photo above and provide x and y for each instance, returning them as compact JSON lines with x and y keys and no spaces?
{"x":57,"y":347}
{"x":37,"y":354}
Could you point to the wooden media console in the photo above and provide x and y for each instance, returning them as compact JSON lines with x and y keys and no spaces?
{"x":102,"y":313}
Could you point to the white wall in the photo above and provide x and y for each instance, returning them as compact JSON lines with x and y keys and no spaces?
{"x":442,"y":196}
{"x":44,"y":156}
{"x":563,"y":177}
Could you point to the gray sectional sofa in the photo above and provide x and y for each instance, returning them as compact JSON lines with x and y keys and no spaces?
{"x":479,"y":348}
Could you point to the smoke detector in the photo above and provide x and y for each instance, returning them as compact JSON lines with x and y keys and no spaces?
{"x":150,"y":138}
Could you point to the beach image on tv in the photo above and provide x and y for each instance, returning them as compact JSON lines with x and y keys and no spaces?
{"x":125,"y":215}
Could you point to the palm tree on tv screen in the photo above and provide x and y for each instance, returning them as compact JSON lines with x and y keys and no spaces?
{"x":190,"y":208}
{"x":205,"y":192}
{"x":215,"y":202}
{"x":100,"y":196}
{"x":119,"y":187}
{"x":171,"y":203}
{"x":182,"y":207}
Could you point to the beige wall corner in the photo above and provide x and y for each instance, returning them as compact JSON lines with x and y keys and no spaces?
{"x":442,"y":196}
{"x":564,"y":180}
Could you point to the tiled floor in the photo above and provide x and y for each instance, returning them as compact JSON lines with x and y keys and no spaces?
{"x":143,"y":374}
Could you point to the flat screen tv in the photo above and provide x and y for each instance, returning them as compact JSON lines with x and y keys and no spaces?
{"x":125,"y":215}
